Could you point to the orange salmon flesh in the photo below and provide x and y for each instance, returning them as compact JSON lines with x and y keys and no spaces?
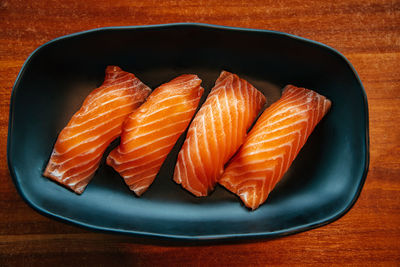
{"x":81,"y":144}
{"x":217,"y":131}
{"x":273,"y":143}
{"x":152,"y":130}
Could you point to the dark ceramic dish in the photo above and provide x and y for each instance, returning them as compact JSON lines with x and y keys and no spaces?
{"x":322,"y":184}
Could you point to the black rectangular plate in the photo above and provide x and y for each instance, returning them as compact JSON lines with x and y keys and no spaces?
{"x":322,"y":184}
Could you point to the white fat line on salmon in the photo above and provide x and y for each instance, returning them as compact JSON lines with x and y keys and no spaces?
{"x":327,"y":102}
{"x":138,"y":158}
{"x":152,"y":171}
{"x":250,"y":182}
{"x":93,"y":110}
{"x":81,"y":188}
{"x":143,"y":165}
{"x":111,"y":82}
{"x":155,"y":121}
{"x":218,"y":155}
{"x":250,"y":110}
{"x":137,"y":95}
{"x":263,"y":196}
{"x":192,"y":165}
{"x":280,"y":157}
{"x":151,"y":143}
{"x":251,"y":105}
{"x":244,"y":173}
{"x":215,"y":92}
{"x":138,"y":190}
{"x":139,"y":84}
{"x":185,"y":85}
{"x":186,"y":183}
{"x":162,"y":129}
{"x":133,"y":180}
{"x":290,"y":89}
{"x":194,"y":169}
{"x":254,"y":195}
{"x":136,"y":137}
{"x":293,"y":151}
{"x":270,"y":149}
{"x":237,"y":165}
{"x":198,"y":154}
{"x":293,"y":110}
{"x":266,"y":138}
{"x":235,"y":101}
{"x":89,"y":171}
{"x":81,"y":155}
{"x":263,"y":133}
{"x":284,"y":168}
{"x":115,"y":76}
{"x":221,"y":85}
{"x":91,"y":129}
{"x":220,"y":115}
{"x":108,"y":85}
{"x":228,"y":112}
{"x":206,"y":146}
{"x":162,"y":96}
{"x":261,"y":99}
{"x":270,"y":180}
{"x":249,"y":188}
{"x":177,"y":173}
{"x":90,"y":140}
{"x":184,"y":166}
{"x":159,"y":110}
{"x":267,"y":120}
{"x":77,"y":181}
{"x":299,"y":145}
{"x":227,"y":180}
{"x":222,"y":77}
{"x":186,"y":82}
{"x":55,"y":173}
{"x":163,"y":100}
{"x":103,"y":93}
{"x":241,"y":125}
{"x":285,"y":101}
{"x":82,"y":163}
{"x":312,"y":119}
{"x":244,"y":196}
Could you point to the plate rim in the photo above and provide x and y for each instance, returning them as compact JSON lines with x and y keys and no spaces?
{"x":213,"y":237}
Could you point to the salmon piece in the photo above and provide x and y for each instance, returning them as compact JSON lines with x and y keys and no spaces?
{"x":216,"y":132}
{"x":81,"y":144}
{"x":151,"y":131}
{"x":273,"y":144}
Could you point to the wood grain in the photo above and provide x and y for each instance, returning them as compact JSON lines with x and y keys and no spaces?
{"x":366,"y":32}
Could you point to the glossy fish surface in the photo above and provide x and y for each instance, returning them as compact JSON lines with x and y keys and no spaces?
{"x":216,"y":132}
{"x":81,"y":144}
{"x":273,"y":143}
{"x":151,"y":131}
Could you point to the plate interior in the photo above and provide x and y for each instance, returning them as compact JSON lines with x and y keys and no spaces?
{"x":322,"y":184}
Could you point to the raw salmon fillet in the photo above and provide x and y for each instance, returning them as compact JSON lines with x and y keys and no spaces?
{"x":217,"y":131}
{"x":81,"y":144}
{"x":273,"y":143}
{"x":151,"y":131}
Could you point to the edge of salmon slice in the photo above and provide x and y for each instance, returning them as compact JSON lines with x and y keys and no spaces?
{"x":273,"y":143}
{"x":216,"y":132}
{"x":80,"y":145}
{"x":151,"y":131}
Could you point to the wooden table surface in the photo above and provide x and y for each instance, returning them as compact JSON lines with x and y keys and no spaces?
{"x":366,"y":32}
